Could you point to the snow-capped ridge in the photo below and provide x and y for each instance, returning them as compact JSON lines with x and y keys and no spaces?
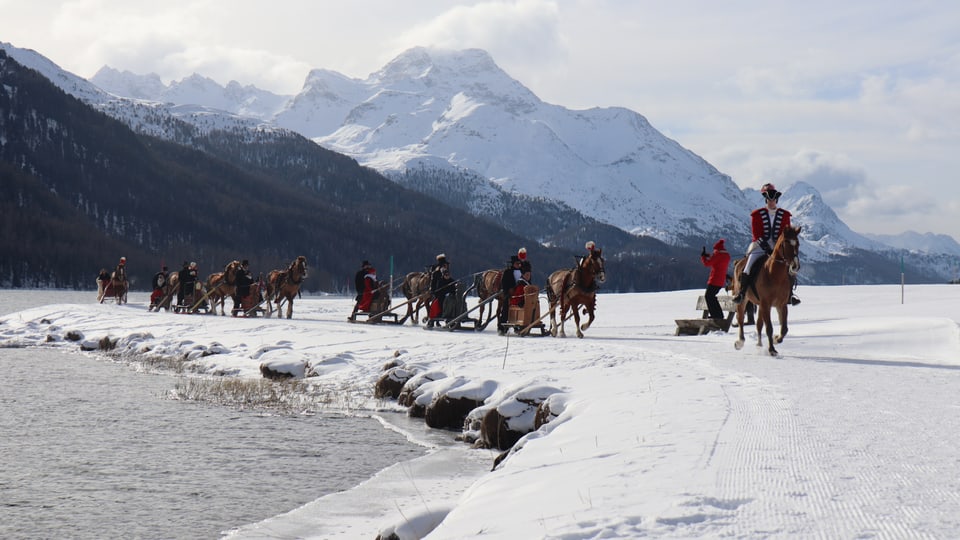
{"x":428,"y":106}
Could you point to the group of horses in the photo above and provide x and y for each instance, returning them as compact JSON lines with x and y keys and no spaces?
{"x":568,"y":290}
{"x":281,"y":286}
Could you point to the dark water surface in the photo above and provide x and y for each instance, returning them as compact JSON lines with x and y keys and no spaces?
{"x":96,"y":449}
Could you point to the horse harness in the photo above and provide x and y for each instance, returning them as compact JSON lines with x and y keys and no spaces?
{"x":572,"y":288}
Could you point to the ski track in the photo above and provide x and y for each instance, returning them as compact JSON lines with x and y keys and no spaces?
{"x":781,"y":450}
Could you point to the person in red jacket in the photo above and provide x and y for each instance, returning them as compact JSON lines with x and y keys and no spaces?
{"x":371,"y":289}
{"x":766,"y":223}
{"x":718,"y":262}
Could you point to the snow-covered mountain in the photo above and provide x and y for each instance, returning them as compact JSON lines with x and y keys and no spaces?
{"x":458,"y":111}
{"x":824,"y":234}
{"x":459,"y":106}
{"x":142,"y":113}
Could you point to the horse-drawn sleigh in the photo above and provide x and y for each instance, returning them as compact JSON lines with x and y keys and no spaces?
{"x":114,"y":287}
{"x":379,"y":310}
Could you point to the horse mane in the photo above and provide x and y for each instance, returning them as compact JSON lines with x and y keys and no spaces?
{"x":794,"y":233}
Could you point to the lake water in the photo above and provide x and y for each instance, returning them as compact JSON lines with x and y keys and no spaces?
{"x":95,"y":449}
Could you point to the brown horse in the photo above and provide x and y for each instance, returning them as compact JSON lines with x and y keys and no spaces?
{"x":416,"y":287}
{"x":285,"y":284}
{"x":772,"y":286}
{"x":488,"y":284}
{"x":222,"y":285}
{"x":573,"y":288}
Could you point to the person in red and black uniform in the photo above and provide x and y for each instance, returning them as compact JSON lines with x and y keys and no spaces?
{"x":766,"y":224}
{"x":718,"y":262}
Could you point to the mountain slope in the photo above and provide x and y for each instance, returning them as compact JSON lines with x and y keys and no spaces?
{"x":231,"y":194}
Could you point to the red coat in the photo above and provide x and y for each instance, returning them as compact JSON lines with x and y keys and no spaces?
{"x":762,"y":227}
{"x":718,"y":261}
{"x":370,"y":287}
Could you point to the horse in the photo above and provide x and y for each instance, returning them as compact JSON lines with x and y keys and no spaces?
{"x":488,"y":284}
{"x":117,"y":286}
{"x":285,"y":284}
{"x":416,"y":287}
{"x":573,"y":288}
{"x":221,"y":285}
{"x":772,"y":286}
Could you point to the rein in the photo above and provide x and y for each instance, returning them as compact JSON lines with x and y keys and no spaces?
{"x":577,"y":272}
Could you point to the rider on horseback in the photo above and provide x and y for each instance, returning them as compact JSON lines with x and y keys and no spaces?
{"x":766,"y":224}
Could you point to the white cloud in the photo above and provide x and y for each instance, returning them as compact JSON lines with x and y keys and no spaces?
{"x":519,"y":35}
{"x":859,"y":93}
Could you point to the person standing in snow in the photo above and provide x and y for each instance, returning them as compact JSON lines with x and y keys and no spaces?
{"x":718,"y":262}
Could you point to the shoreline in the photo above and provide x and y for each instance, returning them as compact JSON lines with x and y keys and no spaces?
{"x":445,"y":470}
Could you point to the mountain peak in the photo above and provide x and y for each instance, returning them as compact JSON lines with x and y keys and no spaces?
{"x":421,"y":62}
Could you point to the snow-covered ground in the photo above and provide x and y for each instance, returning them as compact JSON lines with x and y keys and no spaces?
{"x":851,"y":433}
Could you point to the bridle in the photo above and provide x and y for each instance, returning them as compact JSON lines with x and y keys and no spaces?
{"x":300,"y":266}
{"x":780,"y":255}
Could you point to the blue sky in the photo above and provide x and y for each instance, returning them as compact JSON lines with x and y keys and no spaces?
{"x":859,"y":98}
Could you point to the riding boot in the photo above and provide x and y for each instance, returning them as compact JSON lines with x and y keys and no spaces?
{"x":793,"y":297}
{"x":746,"y":280}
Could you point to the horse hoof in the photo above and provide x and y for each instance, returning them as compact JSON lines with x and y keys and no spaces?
{"x":738,"y":344}
{"x":773,"y":352}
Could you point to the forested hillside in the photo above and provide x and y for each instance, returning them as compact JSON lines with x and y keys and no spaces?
{"x":80,"y":189}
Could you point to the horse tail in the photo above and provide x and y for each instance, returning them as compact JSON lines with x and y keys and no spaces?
{"x":551,"y":294}
{"x":406,"y":287}
{"x":478,"y":282}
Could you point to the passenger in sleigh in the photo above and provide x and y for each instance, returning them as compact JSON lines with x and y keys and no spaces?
{"x":371,"y":290}
{"x":241,"y":298}
{"x":359,"y":285}
{"x":188,"y":282}
{"x":523,"y":277}
{"x":159,"y":281}
{"x":103,"y":278}
{"x":511,"y":288}
{"x":442,"y":285}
